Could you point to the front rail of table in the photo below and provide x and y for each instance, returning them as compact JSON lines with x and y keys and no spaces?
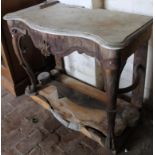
{"x":112,"y":61}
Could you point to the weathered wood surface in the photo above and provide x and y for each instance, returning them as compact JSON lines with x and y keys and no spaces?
{"x":82,"y":87}
{"x":40,"y":101}
{"x":111,"y":80}
{"x":139,"y":69}
{"x":90,"y":121}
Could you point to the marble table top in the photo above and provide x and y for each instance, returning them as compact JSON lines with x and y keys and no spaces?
{"x":110,"y":29}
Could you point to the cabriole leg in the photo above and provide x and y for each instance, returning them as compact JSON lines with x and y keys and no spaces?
{"x":111,"y":75}
{"x":139,"y":69}
{"x":17,"y":34}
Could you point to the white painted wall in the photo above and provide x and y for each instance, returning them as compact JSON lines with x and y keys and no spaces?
{"x":91,"y":73}
{"x":144,"y":7}
{"x":85,"y":3}
{"x":82,"y":66}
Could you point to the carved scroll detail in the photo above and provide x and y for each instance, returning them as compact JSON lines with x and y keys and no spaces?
{"x":17,"y":35}
{"x":44,"y":47}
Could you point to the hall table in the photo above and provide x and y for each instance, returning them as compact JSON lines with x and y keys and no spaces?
{"x":109,"y":36}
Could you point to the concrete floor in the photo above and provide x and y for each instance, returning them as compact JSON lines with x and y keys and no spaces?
{"x":28,"y":129}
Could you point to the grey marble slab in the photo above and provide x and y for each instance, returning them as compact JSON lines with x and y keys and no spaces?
{"x":110,"y":29}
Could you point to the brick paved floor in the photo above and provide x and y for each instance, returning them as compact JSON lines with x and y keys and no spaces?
{"x":28,"y":129}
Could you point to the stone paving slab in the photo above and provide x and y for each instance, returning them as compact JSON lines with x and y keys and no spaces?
{"x":28,"y":129}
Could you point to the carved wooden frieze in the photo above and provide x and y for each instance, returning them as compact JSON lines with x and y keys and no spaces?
{"x":61,"y":46}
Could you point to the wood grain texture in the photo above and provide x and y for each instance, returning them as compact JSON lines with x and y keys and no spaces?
{"x":92,"y":122}
{"x":84,"y":88}
{"x":139,"y":70}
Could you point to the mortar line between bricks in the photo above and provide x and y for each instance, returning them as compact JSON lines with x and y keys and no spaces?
{"x":37,"y":145}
